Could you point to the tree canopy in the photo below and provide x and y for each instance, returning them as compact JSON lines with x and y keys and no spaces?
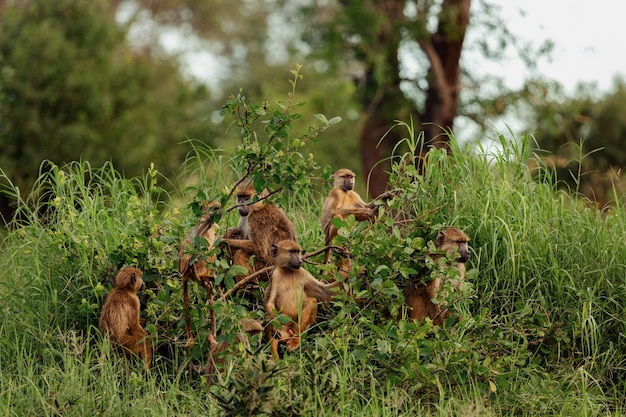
{"x":585,"y":136}
{"x":71,"y":87}
{"x":405,"y":57}
{"x":402,"y":58}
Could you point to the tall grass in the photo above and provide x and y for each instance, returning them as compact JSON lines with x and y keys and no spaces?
{"x":541,"y":333}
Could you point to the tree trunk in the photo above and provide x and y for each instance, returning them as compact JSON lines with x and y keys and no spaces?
{"x":375,"y":150}
{"x":443,"y":50}
{"x":381,"y":98}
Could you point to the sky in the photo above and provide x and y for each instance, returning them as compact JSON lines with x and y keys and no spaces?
{"x":589,"y":37}
{"x":589,"y":46}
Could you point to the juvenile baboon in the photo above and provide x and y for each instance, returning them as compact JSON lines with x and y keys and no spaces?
{"x":294,"y":292}
{"x":343,"y":201}
{"x":119,"y":320}
{"x":419,"y":296}
{"x":244,"y":330}
{"x":261,"y":225}
{"x":196,"y":269}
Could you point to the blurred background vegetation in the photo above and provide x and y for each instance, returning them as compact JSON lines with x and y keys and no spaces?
{"x":113,"y":81}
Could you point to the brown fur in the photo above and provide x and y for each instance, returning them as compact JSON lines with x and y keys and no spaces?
{"x":119,"y":319}
{"x":261,"y":225}
{"x":341,"y":202}
{"x":247,"y":328}
{"x":419,"y":296}
{"x":198,"y":271}
{"x":294,"y":292}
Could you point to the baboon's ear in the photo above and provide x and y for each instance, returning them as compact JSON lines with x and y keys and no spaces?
{"x":440,"y":238}
{"x":274,"y":250}
{"x":133,"y":279}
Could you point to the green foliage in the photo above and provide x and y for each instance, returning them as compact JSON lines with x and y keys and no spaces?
{"x":251,"y":391}
{"x":373,"y":42}
{"x":72,"y":88}
{"x":584,"y":138}
{"x":539,"y":326}
{"x":275,"y":162}
{"x":87,"y":224}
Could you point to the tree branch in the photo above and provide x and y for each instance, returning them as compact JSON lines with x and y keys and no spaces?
{"x":244,"y":281}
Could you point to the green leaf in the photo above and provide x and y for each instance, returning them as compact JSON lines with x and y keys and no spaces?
{"x":236,"y":270}
{"x":380,"y":269}
{"x":334,"y":120}
{"x":407,"y":272}
{"x":320,"y":117}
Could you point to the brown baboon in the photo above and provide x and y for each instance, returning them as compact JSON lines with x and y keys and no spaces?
{"x":294,"y":292}
{"x":341,"y":202}
{"x":196,"y":269}
{"x":419,"y":296}
{"x":260,"y":226}
{"x":246,"y":328}
{"x":119,"y":319}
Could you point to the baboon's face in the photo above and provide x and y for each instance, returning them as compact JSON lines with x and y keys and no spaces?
{"x":287,"y":255}
{"x":344,"y":179}
{"x":463,"y":250}
{"x":451,"y":240}
{"x":294,"y":259}
{"x":242,"y":202}
{"x":245,"y":198}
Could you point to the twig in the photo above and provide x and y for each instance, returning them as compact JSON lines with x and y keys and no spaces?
{"x":259,"y":199}
{"x":238,"y":183}
{"x":245,"y":281}
{"x":319,"y":251}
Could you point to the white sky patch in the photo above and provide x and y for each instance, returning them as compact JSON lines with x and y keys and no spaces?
{"x":589,"y":47}
{"x":588,"y":35}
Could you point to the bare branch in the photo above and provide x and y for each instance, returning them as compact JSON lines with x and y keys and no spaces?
{"x":244,"y":281}
{"x":318,"y":251}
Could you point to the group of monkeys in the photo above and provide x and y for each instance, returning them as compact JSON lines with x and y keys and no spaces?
{"x":265,"y":237}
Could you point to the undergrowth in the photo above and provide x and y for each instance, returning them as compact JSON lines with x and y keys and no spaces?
{"x":541,"y":321}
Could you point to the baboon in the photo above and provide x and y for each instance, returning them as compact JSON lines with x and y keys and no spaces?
{"x":341,"y":202}
{"x":196,"y":269}
{"x":244,"y":330}
{"x":419,"y":296}
{"x":294,"y":292}
{"x":119,"y":319}
{"x":260,"y":226}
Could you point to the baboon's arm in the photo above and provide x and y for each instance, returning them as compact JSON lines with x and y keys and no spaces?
{"x":360,"y":213}
{"x":270,"y":305}
{"x":246,"y":245}
{"x":319,"y":289}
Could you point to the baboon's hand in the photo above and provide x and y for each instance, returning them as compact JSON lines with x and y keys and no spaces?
{"x":388,"y":195}
{"x":271,"y":309}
